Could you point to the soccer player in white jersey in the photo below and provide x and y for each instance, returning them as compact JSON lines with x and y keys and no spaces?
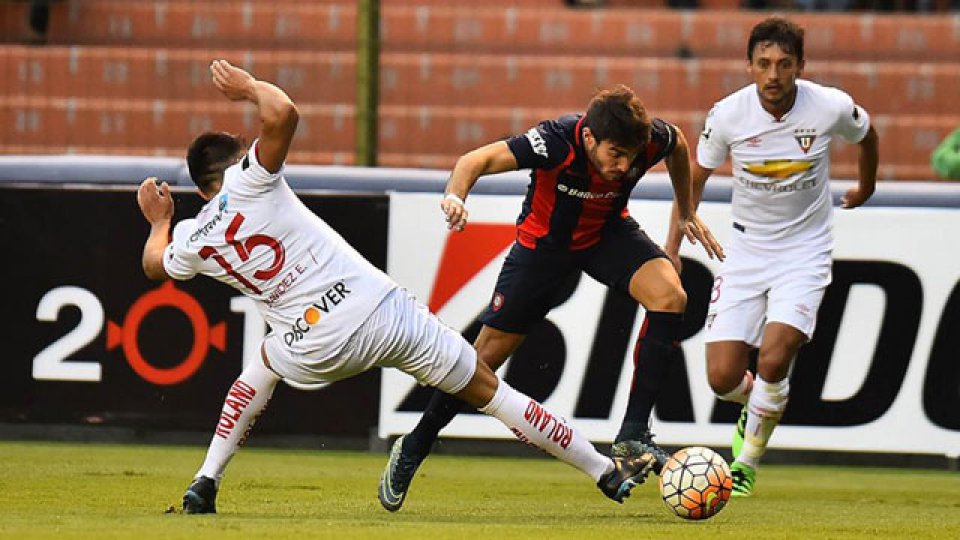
{"x":778,"y":133}
{"x":332,"y":314}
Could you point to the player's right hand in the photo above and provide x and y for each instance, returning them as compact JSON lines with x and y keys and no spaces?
{"x":455,"y":212}
{"x":696,"y":230}
{"x":231,"y":81}
{"x":155,"y":201}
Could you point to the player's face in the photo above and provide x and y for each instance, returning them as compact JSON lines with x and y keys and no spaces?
{"x":611,"y":160}
{"x":775,"y":72}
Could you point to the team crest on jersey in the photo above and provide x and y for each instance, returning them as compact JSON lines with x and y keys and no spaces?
{"x":497,"y":302}
{"x":805,"y":138}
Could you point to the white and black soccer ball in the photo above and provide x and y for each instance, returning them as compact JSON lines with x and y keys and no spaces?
{"x":695,"y":483}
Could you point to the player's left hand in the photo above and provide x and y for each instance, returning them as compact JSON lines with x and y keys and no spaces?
{"x":694,"y":229}
{"x":855,"y":197}
{"x":155,"y":201}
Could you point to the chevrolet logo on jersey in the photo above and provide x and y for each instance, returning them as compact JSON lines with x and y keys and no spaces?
{"x":778,"y":168}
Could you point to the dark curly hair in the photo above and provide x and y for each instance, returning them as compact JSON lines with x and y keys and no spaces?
{"x":617,"y":114}
{"x":786,"y":34}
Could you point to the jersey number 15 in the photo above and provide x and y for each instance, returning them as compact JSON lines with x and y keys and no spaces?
{"x":243,"y":249}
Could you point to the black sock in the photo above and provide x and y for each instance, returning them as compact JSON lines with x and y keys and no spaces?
{"x":439,"y":412}
{"x":655,"y":352}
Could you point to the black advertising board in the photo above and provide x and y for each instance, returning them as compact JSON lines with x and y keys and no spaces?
{"x":90,"y":340}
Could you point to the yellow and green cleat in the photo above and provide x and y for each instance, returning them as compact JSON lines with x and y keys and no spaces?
{"x":739,"y":433}
{"x":744,"y":477}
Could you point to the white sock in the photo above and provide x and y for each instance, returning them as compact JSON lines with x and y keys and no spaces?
{"x":741,"y":393}
{"x":764,"y":410}
{"x":245,"y":400}
{"x":533,"y":424}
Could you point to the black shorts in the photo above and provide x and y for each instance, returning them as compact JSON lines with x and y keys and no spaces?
{"x":534,"y":281}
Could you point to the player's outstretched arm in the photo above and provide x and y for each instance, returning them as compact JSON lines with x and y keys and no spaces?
{"x":157,"y":208}
{"x":490,"y":159}
{"x":277,"y":111}
{"x":867,"y":168}
{"x":687,"y":191}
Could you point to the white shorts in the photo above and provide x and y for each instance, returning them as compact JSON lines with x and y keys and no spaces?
{"x":758,"y":285}
{"x":401,"y":333}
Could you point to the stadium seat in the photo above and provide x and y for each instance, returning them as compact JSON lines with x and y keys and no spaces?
{"x":457,"y":79}
{"x":423,"y":133}
{"x":131,"y":76}
{"x":672,"y":84}
{"x":140,"y":73}
{"x":530,"y":27}
{"x":304,"y":25}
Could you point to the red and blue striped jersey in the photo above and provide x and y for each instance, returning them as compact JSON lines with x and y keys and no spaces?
{"x":568,"y":202}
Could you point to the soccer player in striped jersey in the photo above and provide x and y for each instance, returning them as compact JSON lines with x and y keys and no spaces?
{"x":574,"y":219}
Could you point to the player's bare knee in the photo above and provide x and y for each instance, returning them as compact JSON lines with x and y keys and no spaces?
{"x":722,"y":381}
{"x":678,"y":300}
{"x":670,"y":300}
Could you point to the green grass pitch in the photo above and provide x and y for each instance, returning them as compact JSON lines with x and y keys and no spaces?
{"x":54,"y":490}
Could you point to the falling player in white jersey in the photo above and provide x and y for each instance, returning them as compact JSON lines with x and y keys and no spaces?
{"x":778,"y":133}
{"x":332,"y":314}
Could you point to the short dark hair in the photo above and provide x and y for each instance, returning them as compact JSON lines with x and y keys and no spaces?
{"x":786,"y":34}
{"x":210,"y":154}
{"x":617,"y":114}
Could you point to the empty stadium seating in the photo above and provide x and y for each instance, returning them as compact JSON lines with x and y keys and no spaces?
{"x":131,"y":76}
{"x":454,"y":79}
{"x":531,"y":27}
{"x":409,"y":136}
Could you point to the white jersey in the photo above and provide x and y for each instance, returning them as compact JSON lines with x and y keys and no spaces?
{"x":255,"y":235}
{"x":781,"y":167}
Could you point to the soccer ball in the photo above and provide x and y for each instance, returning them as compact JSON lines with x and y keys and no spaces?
{"x":695,"y":483}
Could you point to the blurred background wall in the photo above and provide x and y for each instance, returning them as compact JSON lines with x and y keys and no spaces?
{"x":130,"y":76}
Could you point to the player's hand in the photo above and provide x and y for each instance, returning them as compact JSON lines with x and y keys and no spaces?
{"x":155,"y":201}
{"x":455,"y":211}
{"x":855,"y":197}
{"x":231,"y":81}
{"x":694,"y":229}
